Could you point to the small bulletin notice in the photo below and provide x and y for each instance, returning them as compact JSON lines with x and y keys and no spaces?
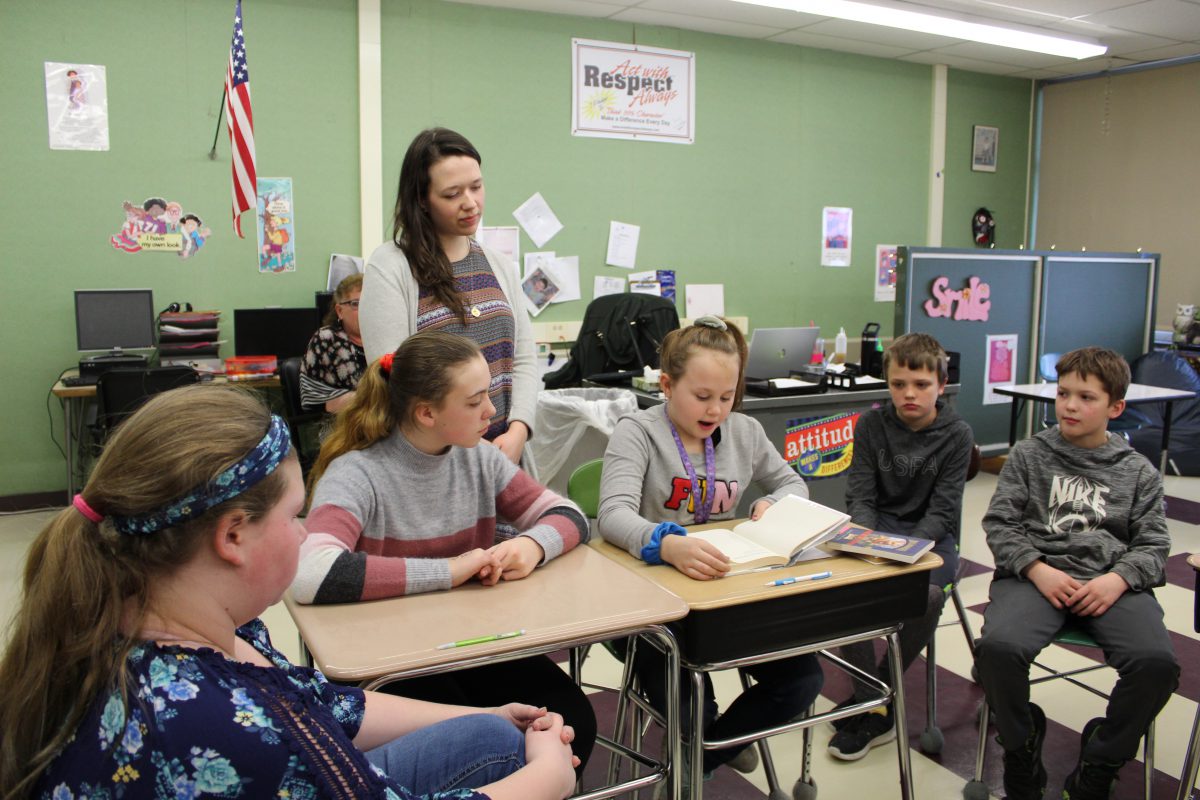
{"x":629,"y":91}
{"x":821,"y":447}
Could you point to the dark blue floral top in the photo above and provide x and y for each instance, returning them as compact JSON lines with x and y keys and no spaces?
{"x":201,"y":725}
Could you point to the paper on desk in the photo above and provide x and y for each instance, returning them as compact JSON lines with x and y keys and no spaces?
{"x":502,"y":238}
{"x":537,"y":219}
{"x":622,"y":244}
{"x":867,"y":380}
{"x":565,"y":270}
{"x":705,"y":298}
{"x":606,"y":285}
{"x":788,"y":383}
{"x":543,"y":259}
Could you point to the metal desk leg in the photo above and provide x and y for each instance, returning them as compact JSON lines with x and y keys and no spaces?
{"x":697,"y":765}
{"x":69,"y":446}
{"x":1187,"y":780}
{"x":1012,"y":420}
{"x":674,"y":737}
{"x":896,"y":670}
{"x":1166,"y":439}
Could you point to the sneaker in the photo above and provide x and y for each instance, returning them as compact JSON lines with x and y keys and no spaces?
{"x":1024,"y":773}
{"x":1090,"y":781}
{"x":867,"y":730}
{"x":746,"y":761}
{"x":837,"y":724}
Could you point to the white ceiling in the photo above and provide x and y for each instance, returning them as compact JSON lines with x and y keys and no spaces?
{"x":1135,"y":31}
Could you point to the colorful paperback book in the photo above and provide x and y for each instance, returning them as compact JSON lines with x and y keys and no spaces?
{"x":784,"y":531}
{"x":879,"y":545}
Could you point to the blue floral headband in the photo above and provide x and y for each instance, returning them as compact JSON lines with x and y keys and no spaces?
{"x":250,"y":470}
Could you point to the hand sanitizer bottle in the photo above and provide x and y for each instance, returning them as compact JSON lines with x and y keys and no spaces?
{"x":839,"y":347}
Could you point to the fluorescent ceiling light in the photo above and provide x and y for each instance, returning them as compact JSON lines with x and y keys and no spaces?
{"x":942,"y":26}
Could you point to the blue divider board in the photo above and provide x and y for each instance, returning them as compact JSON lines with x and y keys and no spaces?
{"x":1102,"y":299}
{"x":1012,"y":278}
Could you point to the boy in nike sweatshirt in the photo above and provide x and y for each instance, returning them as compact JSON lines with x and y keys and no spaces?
{"x":1078,"y":534}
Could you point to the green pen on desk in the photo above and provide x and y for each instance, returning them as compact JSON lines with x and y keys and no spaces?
{"x":495,"y":637}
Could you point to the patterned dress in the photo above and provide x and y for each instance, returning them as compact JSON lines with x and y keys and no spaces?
{"x":490,"y":325}
{"x":200,"y":725}
{"x":331,"y":368}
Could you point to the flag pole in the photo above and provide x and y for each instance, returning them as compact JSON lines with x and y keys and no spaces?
{"x":212,"y":154}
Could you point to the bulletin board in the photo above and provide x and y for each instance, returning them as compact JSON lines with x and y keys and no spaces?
{"x":1107,"y":300}
{"x":1012,"y":279}
{"x":1052,"y":301}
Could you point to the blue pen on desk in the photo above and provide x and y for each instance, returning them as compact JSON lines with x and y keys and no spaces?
{"x":816,"y":576}
{"x":494,"y":637}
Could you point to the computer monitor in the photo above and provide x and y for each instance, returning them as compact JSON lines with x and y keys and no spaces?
{"x":323,"y":300}
{"x":279,"y":332}
{"x":114,"y":319}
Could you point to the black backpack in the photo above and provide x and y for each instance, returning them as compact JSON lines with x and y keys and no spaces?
{"x":620,"y":334}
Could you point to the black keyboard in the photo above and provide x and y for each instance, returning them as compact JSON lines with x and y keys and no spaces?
{"x":80,"y":380}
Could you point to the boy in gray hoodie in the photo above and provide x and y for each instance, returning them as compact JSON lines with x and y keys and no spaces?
{"x":1078,"y":534}
{"x":910,"y":463}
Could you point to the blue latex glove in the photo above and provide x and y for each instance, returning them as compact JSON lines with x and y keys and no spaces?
{"x":652,"y":552}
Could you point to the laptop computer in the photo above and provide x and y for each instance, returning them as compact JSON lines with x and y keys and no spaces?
{"x":777,"y":352}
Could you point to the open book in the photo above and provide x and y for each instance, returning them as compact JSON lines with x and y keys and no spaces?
{"x":788,"y":527}
{"x":879,"y":546}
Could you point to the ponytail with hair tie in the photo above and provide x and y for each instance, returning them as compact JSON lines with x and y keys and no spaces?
{"x":385,"y":363}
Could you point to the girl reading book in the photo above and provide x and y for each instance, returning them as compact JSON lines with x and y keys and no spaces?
{"x":407,"y":500}
{"x":689,"y":461}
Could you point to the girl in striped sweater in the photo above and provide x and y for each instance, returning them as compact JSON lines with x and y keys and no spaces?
{"x":408,"y":500}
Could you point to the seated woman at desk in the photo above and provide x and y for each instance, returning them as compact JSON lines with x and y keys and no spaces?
{"x":406,"y":500}
{"x":687,"y":461}
{"x":334,"y":360}
{"x":161,"y":680}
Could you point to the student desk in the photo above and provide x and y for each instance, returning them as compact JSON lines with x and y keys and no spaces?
{"x":738,"y":621}
{"x":1137,"y":393}
{"x":75,"y":399}
{"x":578,"y":598}
{"x":781,"y":415}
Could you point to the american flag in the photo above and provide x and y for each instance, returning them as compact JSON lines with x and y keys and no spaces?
{"x":241,"y":123}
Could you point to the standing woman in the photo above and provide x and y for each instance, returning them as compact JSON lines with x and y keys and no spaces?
{"x":334,"y":360}
{"x":434,"y":276}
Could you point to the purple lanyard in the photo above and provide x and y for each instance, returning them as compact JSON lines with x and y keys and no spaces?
{"x":703,"y":510}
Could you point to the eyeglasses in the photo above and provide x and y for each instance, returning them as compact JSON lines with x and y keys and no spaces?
{"x":352,"y":303}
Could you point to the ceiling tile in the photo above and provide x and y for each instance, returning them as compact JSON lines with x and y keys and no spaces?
{"x":1119,"y":41}
{"x":1168,"y":18}
{"x":735,"y":12}
{"x":577,"y":8}
{"x":805,"y":39}
{"x":970,"y":64}
{"x":1008,"y":55}
{"x":645,"y":17}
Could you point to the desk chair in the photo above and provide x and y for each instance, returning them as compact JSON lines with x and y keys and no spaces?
{"x":931,"y":739}
{"x":1187,"y":779}
{"x":976,"y":789}
{"x":297,"y":416}
{"x":120,"y":392}
{"x":583,"y":488}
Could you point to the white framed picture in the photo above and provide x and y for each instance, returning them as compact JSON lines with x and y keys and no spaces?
{"x":984,"y":145}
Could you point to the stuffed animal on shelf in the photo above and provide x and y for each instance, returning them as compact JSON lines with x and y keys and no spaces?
{"x":983,"y":228}
{"x":1186,"y":324}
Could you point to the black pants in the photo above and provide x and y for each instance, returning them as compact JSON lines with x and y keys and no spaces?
{"x":537,"y":681}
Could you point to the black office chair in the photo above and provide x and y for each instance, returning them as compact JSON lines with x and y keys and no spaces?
{"x":297,"y":415}
{"x":120,"y":392}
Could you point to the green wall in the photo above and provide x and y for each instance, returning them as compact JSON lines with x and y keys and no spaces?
{"x":781,"y":131}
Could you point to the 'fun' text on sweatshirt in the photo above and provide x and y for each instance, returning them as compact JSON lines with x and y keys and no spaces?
{"x":914,"y":476}
{"x":387,"y":519}
{"x":645,"y":483}
{"x":1083,"y":511}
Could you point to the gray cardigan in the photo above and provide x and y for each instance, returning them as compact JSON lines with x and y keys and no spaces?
{"x":388,"y":316}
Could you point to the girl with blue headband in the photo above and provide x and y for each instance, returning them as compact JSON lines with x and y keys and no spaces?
{"x":688,"y":461}
{"x":138,"y":668}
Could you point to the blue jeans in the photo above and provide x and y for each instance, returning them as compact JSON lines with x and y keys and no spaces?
{"x":461,"y":753}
